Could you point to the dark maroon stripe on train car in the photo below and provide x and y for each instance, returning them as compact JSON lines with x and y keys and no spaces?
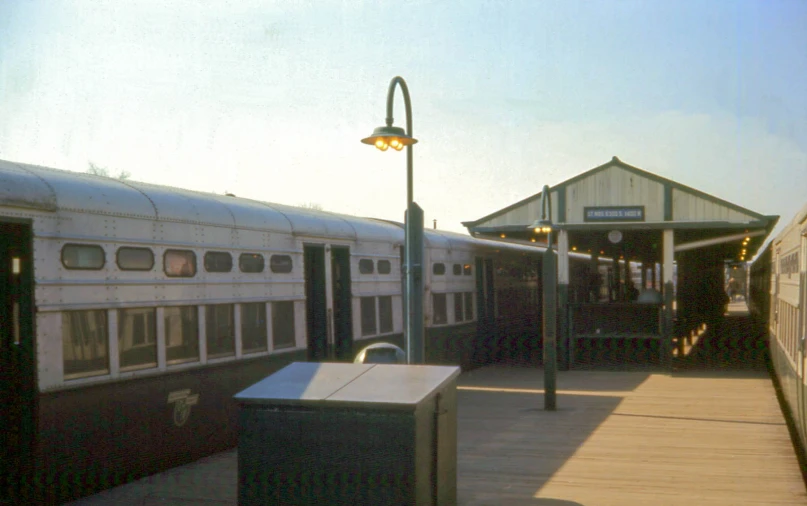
{"x":101,"y":436}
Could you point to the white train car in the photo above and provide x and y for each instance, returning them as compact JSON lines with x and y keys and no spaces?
{"x":778,"y":298}
{"x":131,"y":313}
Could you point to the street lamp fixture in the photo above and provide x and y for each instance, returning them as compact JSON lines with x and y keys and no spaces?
{"x":389,"y":137}
{"x":540,"y":227}
{"x":383,"y":138}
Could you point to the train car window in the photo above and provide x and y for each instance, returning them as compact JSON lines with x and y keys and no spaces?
{"x":220,"y":327}
{"x":457,"y":269}
{"x":181,"y":334}
{"x":83,"y":256}
{"x":439,"y":309}
{"x":179,"y":263}
{"x":135,"y":259}
{"x":137,"y":338}
{"x":253,"y":327}
{"x":283,"y":324}
{"x":385,"y":314}
{"x":384,"y":267}
{"x":218,"y":261}
{"x":366,"y":266}
{"x":85,"y":347}
{"x":466,"y":269}
{"x":280,"y":264}
{"x":368,"y":320}
{"x":469,"y":306}
{"x":251,"y":262}
{"x":458,"y":306}
{"x":438,"y":269}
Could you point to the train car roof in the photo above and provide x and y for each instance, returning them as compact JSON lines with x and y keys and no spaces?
{"x":52,"y":190}
{"x":801,"y":216}
{"x":452,"y":240}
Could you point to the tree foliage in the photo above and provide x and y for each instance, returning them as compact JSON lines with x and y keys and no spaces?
{"x":103,"y":171}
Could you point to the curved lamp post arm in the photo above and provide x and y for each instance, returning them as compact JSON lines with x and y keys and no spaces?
{"x":398,"y":80}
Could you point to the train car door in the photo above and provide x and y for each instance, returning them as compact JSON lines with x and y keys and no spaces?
{"x":17,"y":379}
{"x":341,"y":303}
{"x":484,"y":291}
{"x":484,"y":308}
{"x":328,"y":302}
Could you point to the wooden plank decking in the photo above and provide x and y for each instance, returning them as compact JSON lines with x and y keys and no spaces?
{"x":625,"y":438}
{"x":618,"y":438}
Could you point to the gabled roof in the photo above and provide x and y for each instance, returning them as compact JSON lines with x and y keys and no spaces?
{"x":616,"y":162}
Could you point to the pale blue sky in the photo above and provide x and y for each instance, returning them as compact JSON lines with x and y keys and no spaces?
{"x":269,"y":99}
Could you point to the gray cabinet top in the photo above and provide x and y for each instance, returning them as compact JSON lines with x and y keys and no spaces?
{"x":336,"y":384}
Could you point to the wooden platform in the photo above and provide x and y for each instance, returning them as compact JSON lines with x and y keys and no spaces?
{"x":618,"y":438}
{"x":625,"y":439}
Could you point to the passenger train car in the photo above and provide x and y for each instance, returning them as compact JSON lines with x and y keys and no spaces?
{"x":777,"y":300}
{"x":131,"y":313}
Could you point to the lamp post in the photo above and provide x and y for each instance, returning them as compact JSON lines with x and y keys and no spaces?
{"x":550,"y":316}
{"x":385,"y":137}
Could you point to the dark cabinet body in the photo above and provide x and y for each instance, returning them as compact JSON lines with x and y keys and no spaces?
{"x":327,"y":433}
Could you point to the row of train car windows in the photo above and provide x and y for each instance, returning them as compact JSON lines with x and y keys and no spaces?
{"x":176,"y":262}
{"x":463,"y":307}
{"x":439,"y":269}
{"x":366,"y":266}
{"x":376,"y":312}
{"x":85,"y":335}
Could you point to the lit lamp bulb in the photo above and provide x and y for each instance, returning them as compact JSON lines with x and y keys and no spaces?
{"x":380,"y":144}
{"x":399,"y":147}
{"x":394,"y":142}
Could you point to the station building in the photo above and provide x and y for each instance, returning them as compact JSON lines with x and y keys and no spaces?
{"x":658,"y":253}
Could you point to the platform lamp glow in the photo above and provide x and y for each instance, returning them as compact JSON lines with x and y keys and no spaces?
{"x":543,"y":225}
{"x":390,"y":136}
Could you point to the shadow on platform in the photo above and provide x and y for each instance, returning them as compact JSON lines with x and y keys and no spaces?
{"x":498,"y":405}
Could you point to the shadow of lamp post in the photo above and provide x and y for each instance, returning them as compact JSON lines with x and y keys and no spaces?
{"x":385,"y":137}
{"x":550,"y":291}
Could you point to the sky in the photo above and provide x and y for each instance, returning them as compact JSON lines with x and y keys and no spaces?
{"x":269,"y":99}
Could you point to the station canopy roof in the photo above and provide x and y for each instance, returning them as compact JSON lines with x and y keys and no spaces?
{"x":617,"y":209}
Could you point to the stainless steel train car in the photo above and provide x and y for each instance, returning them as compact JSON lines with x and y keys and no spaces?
{"x":777,"y":299}
{"x":131,"y":313}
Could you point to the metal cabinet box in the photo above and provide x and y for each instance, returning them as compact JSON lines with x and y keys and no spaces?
{"x":333,"y":433}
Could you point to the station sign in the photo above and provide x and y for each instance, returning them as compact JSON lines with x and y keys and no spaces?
{"x":614,"y":213}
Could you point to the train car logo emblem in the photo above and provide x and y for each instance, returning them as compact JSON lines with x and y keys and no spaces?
{"x":182,"y":401}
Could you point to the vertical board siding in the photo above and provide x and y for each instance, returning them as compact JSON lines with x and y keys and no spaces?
{"x":614,"y":186}
{"x":689,"y":207}
{"x":522,"y":215}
